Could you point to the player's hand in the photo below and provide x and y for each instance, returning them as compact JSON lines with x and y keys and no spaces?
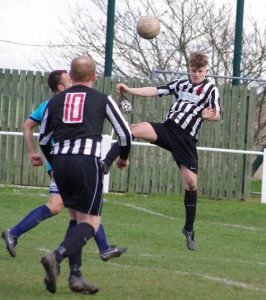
{"x":122,"y":88}
{"x":36,"y":159}
{"x":208,"y":113}
{"x":121,"y":163}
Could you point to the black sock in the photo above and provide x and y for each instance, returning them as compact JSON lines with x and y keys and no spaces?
{"x":190,"y":203}
{"x":75,"y":270}
{"x":74,"y":260}
{"x":71,"y":224}
{"x":75,"y":239}
{"x":60,"y":252}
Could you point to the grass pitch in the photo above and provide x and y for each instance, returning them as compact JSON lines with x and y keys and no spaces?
{"x":229,"y":263}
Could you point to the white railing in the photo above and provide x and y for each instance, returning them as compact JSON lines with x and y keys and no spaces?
{"x":263,"y":187}
{"x":245,"y":152}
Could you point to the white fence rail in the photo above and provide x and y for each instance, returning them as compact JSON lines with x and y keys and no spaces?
{"x":245,"y":152}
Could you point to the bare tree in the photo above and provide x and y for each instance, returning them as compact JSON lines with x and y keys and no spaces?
{"x":186,"y":25}
{"x":183,"y":30}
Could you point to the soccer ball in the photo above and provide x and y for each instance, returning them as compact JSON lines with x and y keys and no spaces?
{"x":148,"y":27}
{"x":124,"y":104}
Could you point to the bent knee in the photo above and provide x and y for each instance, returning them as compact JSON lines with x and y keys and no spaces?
{"x":191,"y":185}
{"x":143,"y":130}
{"x":55,"y":209}
{"x":55,"y":204}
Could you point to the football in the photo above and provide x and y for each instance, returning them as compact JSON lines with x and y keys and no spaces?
{"x":124,"y":104}
{"x":148,"y":27}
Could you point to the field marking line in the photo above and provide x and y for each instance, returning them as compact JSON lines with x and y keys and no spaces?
{"x":250,"y":228}
{"x":222,"y":280}
{"x":154,"y":213}
{"x":148,"y":211}
{"x":44,"y":250}
{"x":151,"y":212}
{"x":203,"y":258}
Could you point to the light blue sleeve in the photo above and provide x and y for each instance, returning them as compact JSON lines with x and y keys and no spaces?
{"x":37,"y":115}
{"x":48,"y":167}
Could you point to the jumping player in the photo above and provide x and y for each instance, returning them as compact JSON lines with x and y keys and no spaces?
{"x":196,"y":99}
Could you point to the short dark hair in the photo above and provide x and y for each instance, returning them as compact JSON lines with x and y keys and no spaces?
{"x":54,"y":79}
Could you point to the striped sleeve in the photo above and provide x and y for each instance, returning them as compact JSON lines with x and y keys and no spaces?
{"x":169,"y":88}
{"x":46,"y":134}
{"x":214,"y":99}
{"x":120,"y":126}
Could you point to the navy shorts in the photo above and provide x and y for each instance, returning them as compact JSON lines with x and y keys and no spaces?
{"x":79,"y":180}
{"x":176,"y":140}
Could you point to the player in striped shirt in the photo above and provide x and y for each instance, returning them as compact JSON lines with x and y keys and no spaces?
{"x":58,"y":81}
{"x":196,"y":100}
{"x":74,"y":119}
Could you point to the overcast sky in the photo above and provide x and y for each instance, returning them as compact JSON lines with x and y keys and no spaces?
{"x":39,"y":22}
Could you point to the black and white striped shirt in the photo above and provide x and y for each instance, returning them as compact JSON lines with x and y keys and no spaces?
{"x":191,"y":99}
{"x":74,"y":119}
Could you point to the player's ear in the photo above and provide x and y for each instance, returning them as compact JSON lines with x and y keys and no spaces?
{"x":94,"y":77}
{"x":60,"y":87}
{"x":70,"y":74}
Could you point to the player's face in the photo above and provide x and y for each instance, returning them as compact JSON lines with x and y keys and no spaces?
{"x":66,"y":81}
{"x":197,"y":75}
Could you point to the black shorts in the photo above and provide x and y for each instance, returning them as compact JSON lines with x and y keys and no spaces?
{"x":79,"y":180}
{"x":176,"y":140}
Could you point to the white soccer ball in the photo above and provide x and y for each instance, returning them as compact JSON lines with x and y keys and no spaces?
{"x":148,"y":27}
{"x":126,"y":106}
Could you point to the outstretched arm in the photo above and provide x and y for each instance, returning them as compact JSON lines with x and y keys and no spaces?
{"x":148,"y":91}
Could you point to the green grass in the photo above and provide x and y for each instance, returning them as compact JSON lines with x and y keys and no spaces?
{"x":229,"y":262}
{"x":255,"y":186}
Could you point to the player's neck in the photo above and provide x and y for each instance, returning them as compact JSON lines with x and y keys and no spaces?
{"x":86,"y":83}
